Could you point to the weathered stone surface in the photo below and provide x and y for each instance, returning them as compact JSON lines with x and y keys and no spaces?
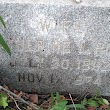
{"x":56,"y":48}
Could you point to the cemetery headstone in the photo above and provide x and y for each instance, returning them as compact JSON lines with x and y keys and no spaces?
{"x":63,"y":48}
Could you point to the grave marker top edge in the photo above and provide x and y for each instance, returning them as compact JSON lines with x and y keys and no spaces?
{"x":96,"y":3}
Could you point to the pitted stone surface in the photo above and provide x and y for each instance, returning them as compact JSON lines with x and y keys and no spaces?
{"x":56,"y":48}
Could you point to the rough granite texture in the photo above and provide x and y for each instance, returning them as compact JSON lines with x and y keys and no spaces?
{"x":56,"y":48}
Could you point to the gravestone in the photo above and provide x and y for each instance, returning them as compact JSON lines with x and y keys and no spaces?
{"x":56,"y":47}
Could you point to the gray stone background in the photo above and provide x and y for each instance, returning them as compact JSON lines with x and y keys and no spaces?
{"x":61,"y":47}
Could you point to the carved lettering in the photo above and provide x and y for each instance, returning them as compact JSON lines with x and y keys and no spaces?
{"x":31,"y":77}
{"x":40,"y":45}
{"x":66,"y":24}
{"x":77,"y":25}
{"x":86,"y":65}
{"x":83,"y":79}
{"x":39,"y":78}
{"x":54,"y":81}
{"x":32,"y":45}
{"x":55,"y":63}
{"x":52,"y":78}
{"x":83,"y":48}
{"x":88,"y":79}
{"x":21,"y":77}
{"x":35,"y":61}
{"x":56,"y":45}
{"x":97,"y":65}
{"x":79,"y":80}
{"x":45,"y":25}
{"x":32,"y":64}
{"x":97,"y":81}
{"x":106,"y":66}
{"x":100,"y":47}
{"x":65,"y":64}
{"x":19,"y":44}
{"x":108,"y":48}
{"x":66,"y":47}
